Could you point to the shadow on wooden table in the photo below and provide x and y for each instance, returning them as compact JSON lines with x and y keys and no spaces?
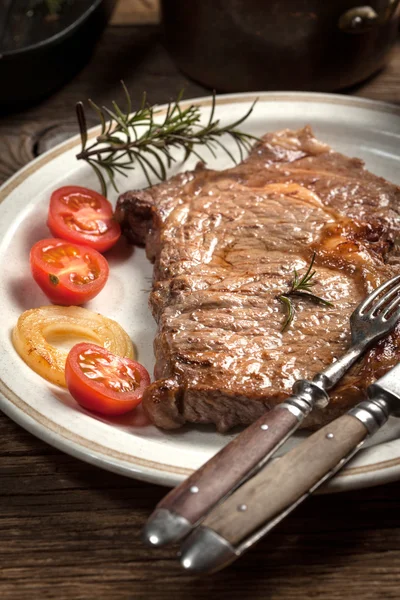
{"x":75,"y":530}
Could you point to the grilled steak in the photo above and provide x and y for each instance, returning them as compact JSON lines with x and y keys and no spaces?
{"x":225,"y":245}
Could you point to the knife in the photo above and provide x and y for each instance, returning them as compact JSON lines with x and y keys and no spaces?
{"x":184,"y":507}
{"x":263,"y":501}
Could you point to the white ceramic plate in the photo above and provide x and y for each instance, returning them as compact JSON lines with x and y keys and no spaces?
{"x":369,"y":130}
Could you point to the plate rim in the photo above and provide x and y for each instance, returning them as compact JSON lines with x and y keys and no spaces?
{"x":126,"y":464}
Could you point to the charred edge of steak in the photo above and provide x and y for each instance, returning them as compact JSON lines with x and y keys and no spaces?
{"x":134,"y":212}
{"x":181,"y":405}
{"x":170,"y":394}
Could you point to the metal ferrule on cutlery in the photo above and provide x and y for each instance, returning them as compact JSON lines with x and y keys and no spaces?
{"x":180,"y":510}
{"x":186,"y":505}
{"x":261,"y":503}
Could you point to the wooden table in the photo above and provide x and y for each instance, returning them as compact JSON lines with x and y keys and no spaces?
{"x":71,"y":531}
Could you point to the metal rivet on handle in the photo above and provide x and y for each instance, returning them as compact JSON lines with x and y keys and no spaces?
{"x":153,"y":539}
{"x":242,"y":507}
{"x":264,"y":427}
{"x":194,"y":489}
{"x":330,"y":436}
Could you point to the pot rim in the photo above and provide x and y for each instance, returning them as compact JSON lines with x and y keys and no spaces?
{"x":56,"y":38}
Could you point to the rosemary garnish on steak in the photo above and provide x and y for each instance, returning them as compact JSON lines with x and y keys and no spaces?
{"x":300,"y":287}
{"x":138,"y":138}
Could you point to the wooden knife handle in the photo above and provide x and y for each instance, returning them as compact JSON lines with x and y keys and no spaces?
{"x":197,"y":495}
{"x":286,"y":481}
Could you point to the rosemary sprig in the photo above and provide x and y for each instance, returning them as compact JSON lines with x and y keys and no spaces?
{"x":300,"y":287}
{"x":135,"y":138}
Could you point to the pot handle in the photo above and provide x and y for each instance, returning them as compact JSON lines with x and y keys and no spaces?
{"x":361,"y":19}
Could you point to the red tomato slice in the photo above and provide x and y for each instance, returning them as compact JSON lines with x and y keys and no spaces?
{"x":80,"y":215}
{"x":68,"y":273}
{"x":103,"y":382}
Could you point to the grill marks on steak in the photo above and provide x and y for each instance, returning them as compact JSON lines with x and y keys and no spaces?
{"x":224,"y":246}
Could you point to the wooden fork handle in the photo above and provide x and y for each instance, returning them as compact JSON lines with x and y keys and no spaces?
{"x":237,"y":460}
{"x":175,"y":516}
{"x":282,"y":484}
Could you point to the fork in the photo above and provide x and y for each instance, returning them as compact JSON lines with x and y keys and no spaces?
{"x":275,"y":491}
{"x":185,"y":506}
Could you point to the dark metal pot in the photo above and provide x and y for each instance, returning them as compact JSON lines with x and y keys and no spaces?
{"x":39,"y":66}
{"x":240,"y":45}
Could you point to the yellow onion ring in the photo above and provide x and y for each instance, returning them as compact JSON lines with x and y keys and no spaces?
{"x":35,"y":326}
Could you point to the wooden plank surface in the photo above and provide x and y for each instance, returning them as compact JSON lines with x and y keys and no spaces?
{"x":136,"y":12}
{"x":71,"y":531}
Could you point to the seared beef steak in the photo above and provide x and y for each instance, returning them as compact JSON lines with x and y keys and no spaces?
{"x":224,"y":246}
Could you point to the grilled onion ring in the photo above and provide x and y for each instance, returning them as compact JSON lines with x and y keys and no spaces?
{"x":37,"y":325}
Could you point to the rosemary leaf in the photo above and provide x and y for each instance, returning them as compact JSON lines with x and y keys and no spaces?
{"x":301,"y":287}
{"x":290,"y":311}
{"x":134,"y":134}
{"x":221,"y":145}
{"x":128,"y":99}
{"x":100,"y":113}
{"x":100,"y":177}
{"x":162,"y":175}
{"x":317,"y":299}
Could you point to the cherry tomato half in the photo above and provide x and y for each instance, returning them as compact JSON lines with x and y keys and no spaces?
{"x":103,"y":382}
{"x":68,"y":273}
{"x":80,"y":215}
